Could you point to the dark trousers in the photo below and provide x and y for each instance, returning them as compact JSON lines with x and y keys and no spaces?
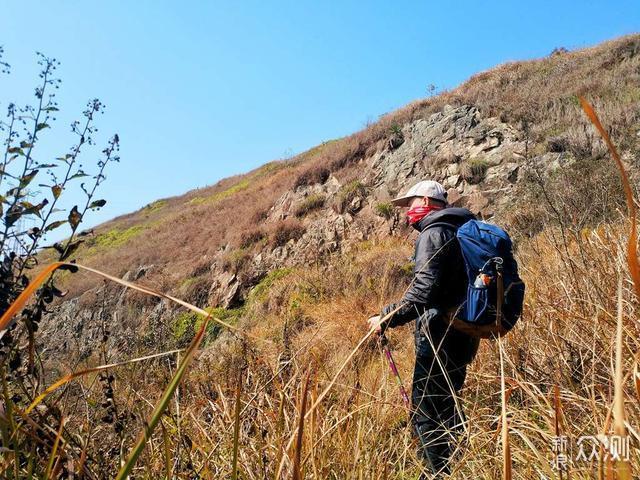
{"x":435,"y":417}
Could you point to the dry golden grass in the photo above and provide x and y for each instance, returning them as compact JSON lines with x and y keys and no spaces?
{"x":311,"y":321}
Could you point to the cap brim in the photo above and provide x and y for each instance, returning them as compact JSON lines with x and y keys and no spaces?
{"x":402,"y":201}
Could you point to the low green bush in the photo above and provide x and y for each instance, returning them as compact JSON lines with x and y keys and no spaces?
{"x":187,"y":323}
{"x":309,"y":204}
{"x":347,"y":194}
{"x":385,"y":210}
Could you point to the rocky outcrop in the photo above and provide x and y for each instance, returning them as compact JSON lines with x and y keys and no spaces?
{"x":478,"y":159}
{"x":447,"y":147}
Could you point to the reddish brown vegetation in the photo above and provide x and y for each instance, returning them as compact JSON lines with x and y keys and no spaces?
{"x":315,"y":174}
{"x":285,"y":231}
{"x":251,"y":237}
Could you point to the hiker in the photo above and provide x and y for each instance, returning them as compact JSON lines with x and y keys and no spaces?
{"x":442,"y":353}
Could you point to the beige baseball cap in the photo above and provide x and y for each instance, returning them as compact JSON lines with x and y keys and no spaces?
{"x":426,"y":188}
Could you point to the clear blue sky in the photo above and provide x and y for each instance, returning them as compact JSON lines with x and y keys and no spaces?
{"x":202,"y":90}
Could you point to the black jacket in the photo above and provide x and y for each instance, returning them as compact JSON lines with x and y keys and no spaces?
{"x":439,"y":284}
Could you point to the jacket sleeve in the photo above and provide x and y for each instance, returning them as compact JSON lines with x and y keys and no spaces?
{"x":432,"y":249}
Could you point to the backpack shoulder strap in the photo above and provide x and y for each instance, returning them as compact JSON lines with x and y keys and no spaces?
{"x":442,"y":224}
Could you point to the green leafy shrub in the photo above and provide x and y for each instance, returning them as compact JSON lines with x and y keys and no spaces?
{"x":183,"y":324}
{"x":395,"y":129}
{"x":347,"y":194}
{"x":29,"y":213}
{"x":397,"y":138}
{"x":187,"y":323}
{"x":261,"y":290}
{"x":227,"y":315}
{"x":385,"y":210}
{"x":311,"y":203}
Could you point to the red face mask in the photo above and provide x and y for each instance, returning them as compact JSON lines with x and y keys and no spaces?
{"x":416,"y":214}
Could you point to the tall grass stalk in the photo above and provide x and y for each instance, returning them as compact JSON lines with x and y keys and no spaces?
{"x":236,"y":430}
{"x":297,"y":452}
{"x":623,"y":469}
{"x":507,"y":473}
{"x":54,"y":450}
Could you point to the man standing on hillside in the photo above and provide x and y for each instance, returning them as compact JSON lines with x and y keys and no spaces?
{"x":442,"y":353}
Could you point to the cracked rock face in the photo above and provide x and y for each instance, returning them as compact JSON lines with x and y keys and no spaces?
{"x":438,"y":148}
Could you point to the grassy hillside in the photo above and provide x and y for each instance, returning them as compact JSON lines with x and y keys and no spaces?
{"x":238,"y":412}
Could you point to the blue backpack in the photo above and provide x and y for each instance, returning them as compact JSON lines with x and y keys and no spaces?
{"x":492,"y":273}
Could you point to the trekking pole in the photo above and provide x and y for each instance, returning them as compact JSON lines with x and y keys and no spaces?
{"x":403,"y":393}
{"x":392,"y":365}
